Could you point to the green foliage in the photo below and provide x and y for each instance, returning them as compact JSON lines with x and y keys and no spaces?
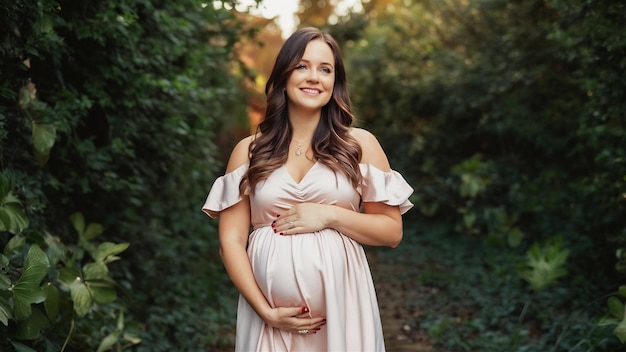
{"x":469,"y":297}
{"x":545,"y":265}
{"x":111,"y":108}
{"x":616,"y":316}
{"x":37,"y":283}
{"x":509,"y":119}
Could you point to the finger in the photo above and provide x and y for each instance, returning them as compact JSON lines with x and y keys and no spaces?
{"x":296,"y":312}
{"x":285,"y":226}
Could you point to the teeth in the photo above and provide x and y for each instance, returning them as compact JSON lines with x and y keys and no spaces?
{"x":311,"y":91}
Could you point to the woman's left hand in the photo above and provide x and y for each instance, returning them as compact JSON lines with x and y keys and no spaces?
{"x":304,"y":217}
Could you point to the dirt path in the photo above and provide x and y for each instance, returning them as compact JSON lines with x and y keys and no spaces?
{"x":399,"y":299}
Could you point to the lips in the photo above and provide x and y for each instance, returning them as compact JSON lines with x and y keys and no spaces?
{"x":311,"y":91}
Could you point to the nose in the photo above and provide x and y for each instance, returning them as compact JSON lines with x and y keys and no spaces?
{"x":313,"y":76}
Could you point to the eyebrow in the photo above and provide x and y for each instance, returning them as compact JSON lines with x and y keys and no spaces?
{"x":323,"y":63}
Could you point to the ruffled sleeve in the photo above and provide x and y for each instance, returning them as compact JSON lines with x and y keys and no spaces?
{"x":385,"y":187}
{"x":225,"y":192}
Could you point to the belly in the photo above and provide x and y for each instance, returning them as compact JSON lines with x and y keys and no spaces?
{"x":299,"y":270}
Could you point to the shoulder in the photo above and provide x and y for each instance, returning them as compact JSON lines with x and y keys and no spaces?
{"x":240,"y":154}
{"x":373,"y":152}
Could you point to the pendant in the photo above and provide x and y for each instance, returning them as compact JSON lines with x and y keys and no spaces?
{"x":299,"y":150}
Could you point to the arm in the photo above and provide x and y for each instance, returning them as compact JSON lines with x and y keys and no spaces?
{"x":379,"y":225}
{"x":234,"y":225}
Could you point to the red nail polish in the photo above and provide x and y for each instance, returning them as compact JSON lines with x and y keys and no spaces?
{"x":282,"y":234}
{"x":278,"y":215}
{"x":274,"y":230}
{"x":305,"y":310}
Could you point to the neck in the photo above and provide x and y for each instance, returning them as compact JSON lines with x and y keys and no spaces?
{"x":303,"y":124}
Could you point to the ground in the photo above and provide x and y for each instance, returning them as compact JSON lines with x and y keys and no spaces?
{"x":399,"y":303}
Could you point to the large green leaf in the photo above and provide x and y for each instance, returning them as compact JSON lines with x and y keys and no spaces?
{"x":27,"y":290}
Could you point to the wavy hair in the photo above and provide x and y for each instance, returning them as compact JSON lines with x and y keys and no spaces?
{"x":332,"y":145}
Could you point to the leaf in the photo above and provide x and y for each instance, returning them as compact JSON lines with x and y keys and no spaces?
{"x":55,"y":249}
{"x":515,"y":237}
{"x":615,"y":307}
{"x":15,"y":245}
{"x":622,"y":291}
{"x":52,"y":302}
{"x":29,"y":329}
{"x":5,"y":282}
{"x":109,"y":341}
{"x":12,"y":217}
{"x":27,"y":290}
{"x":42,"y":158}
{"x":134,"y":339}
{"x":92,"y":231}
{"x":78,"y":221}
{"x":81,"y":297}
{"x":102,"y":292}
{"x":67,"y":276}
{"x":5,"y":308}
{"x":95,"y":271}
{"x":620,"y":330}
{"x":109,"y":249}
{"x":5,"y":186}
{"x":44,"y":136}
{"x":21,"y":347}
{"x":544,"y":265}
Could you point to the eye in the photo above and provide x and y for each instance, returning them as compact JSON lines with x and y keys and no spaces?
{"x":300,"y":67}
{"x":326,"y":70}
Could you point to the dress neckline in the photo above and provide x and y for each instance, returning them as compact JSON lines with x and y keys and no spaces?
{"x":284,"y":167}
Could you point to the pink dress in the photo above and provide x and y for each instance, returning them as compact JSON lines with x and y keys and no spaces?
{"x":325,"y":270}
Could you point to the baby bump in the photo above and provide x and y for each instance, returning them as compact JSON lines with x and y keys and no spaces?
{"x":298,"y":270}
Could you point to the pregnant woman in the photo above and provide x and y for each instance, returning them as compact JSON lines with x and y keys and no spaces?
{"x":315,"y":189}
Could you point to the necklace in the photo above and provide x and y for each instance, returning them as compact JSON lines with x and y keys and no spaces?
{"x":299,"y":148}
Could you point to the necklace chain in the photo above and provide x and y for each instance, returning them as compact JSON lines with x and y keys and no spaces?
{"x":299,"y":148}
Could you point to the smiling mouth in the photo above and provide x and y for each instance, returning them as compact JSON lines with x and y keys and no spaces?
{"x":311,"y":91}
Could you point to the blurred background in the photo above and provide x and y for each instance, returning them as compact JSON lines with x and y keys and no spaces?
{"x":507,"y":117}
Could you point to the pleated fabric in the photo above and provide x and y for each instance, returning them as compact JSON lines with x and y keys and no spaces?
{"x":325,"y":270}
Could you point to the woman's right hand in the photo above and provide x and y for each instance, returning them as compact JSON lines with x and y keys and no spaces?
{"x":293,"y":319}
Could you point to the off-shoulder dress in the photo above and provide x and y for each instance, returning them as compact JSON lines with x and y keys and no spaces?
{"x":325,"y":271}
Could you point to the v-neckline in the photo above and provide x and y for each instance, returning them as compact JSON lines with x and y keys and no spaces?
{"x":303,"y":177}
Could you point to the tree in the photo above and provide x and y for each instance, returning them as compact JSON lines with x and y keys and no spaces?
{"x":109,"y":109}
{"x":507,"y":118}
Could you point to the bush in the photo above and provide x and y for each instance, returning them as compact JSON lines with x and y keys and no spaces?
{"x":110,"y":109}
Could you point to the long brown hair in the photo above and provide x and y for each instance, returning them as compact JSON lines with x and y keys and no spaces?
{"x":332,"y":144}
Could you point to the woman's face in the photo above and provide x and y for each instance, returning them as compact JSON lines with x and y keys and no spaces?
{"x":310,"y":85}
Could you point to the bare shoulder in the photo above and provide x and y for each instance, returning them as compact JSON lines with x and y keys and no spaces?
{"x":240,"y":154}
{"x":373,"y":152}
